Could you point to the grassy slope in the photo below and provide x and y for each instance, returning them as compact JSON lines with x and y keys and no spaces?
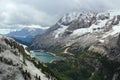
{"x":85,"y":66}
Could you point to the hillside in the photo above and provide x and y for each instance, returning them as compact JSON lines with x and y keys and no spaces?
{"x":76,"y":31}
{"x":17,"y":63}
{"x":89,"y":42}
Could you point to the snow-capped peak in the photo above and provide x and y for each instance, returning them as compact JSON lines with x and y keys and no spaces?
{"x":69,"y":17}
{"x":82,"y":23}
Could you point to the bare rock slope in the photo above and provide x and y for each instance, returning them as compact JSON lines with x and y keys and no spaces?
{"x":78,"y":31}
{"x":17,"y":63}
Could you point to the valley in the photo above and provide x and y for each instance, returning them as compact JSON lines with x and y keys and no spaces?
{"x":80,"y":46}
{"x":89,"y":43}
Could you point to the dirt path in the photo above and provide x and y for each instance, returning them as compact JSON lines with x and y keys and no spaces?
{"x":66,"y":50}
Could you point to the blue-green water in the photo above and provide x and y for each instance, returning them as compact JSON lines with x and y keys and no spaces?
{"x":44,"y":57}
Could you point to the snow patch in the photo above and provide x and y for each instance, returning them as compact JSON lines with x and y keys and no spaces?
{"x":115,"y":30}
{"x":102,"y":41}
{"x":70,"y":17}
{"x":59,"y":31}
{"x":92,"y":28}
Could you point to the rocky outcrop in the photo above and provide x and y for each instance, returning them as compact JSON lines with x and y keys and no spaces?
{"x":80,"y":31}
{"x":17,"y":63}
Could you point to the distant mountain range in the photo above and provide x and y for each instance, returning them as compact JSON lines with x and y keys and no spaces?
{"x":89,"y":43}
{"x":26,"y":35}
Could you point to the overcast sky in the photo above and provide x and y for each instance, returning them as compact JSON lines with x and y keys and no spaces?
{"x":15,"y":13}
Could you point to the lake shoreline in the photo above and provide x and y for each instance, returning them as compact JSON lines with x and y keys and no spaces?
{"x":45,"y":52}
{"x":56,"y":58}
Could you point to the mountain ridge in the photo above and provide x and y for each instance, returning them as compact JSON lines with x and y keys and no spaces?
{"x":17,"y":62}
{"x":89,"y":44}
{"x":83,"y":30}
{"x":26,"y":35}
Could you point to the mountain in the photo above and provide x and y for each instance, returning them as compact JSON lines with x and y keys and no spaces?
{"x":17,"y":63}
{"x":76,"y":31}
{"x":89,"y":43}
{"x":26,"y":35}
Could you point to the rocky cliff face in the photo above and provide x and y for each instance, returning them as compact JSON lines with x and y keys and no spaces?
{"x":93,"y":38}
{"x":17,"y":63}
{"x":76,"y":31}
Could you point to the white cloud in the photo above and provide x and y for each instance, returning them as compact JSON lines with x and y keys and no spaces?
{"x":45,"y":12}
{"x":23,"y":14}
{"x":6,"y":31}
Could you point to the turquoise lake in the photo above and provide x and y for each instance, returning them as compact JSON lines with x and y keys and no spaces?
{"x":44,"y":57}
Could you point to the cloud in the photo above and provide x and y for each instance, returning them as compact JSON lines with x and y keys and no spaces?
{"x":23,"y":14}
{"x":45,"y":12}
